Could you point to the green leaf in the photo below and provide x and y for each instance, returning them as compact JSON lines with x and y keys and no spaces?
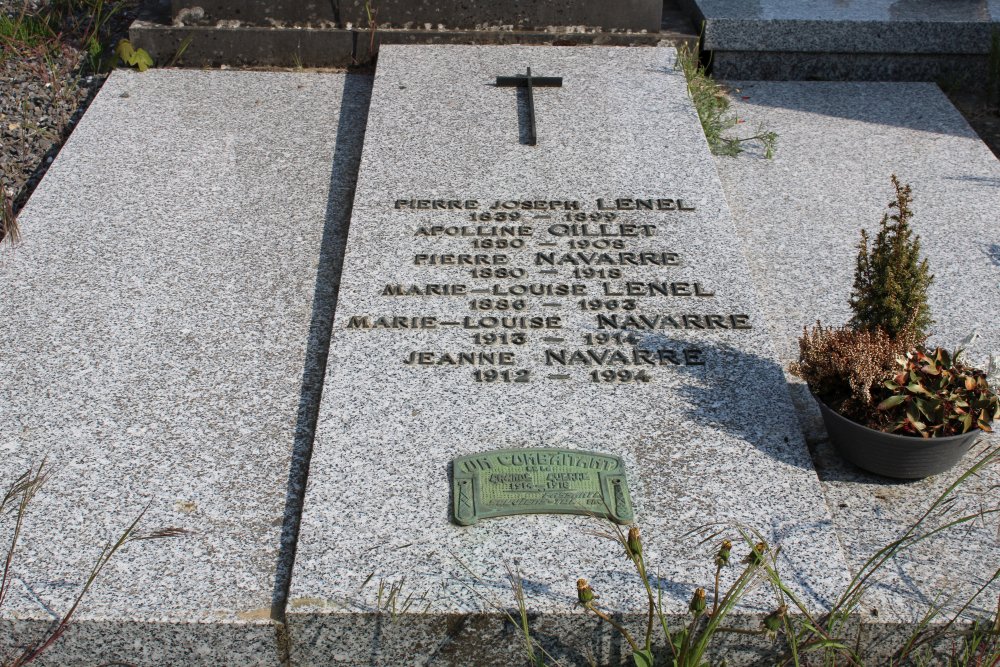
{"x":143,"y":60}
{"x":917,"y":388}
{"x":926,"y":408}
{"x":891,"y":402}
{"x":125,"y":51}
{"x":133,"y":57}
{"x":966,"y":423}
{"x":643,"y":658}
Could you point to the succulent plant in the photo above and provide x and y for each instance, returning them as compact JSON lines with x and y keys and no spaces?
{"x":933,"y":394}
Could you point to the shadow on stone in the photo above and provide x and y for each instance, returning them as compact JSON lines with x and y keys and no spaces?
{"x":985,"y":181}
{"x":726,"y":391}
{"x":346,"y":160}
{"x":911,"y":105}
{"x":993,"y":252}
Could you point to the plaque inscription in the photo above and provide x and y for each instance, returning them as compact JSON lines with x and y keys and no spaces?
{"x":539,"y":481}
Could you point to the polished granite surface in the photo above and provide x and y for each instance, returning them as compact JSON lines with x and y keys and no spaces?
{"x":854,"y":10}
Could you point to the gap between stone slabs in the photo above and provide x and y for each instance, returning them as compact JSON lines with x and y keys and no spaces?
{"x":160,"y":317}
{"x":799,"y":218}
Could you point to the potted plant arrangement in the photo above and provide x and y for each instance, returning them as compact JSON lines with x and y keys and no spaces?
{"x":891,"y":404}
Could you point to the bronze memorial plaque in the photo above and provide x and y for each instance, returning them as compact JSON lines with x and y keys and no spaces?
{"x":539,"y":481}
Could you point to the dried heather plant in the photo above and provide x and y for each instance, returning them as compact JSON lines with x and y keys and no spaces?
{"x":842,"y":365}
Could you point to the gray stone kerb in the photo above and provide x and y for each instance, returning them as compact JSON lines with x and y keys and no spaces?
{"x":878,"y":27}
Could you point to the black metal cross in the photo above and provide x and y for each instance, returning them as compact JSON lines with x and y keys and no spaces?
{"x":529,"y":82}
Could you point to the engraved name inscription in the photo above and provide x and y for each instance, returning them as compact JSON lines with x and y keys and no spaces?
{"x":508,"y":263}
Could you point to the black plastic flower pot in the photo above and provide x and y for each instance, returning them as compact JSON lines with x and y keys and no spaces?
{"x":892,"y":455}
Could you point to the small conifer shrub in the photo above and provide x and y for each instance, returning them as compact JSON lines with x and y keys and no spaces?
{"x":890,"y":280}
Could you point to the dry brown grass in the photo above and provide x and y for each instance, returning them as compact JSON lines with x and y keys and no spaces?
{"x":9,"y":231}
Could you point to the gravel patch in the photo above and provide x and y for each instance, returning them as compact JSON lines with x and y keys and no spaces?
{"x":38,"y":109}
{"x":44,"y":90}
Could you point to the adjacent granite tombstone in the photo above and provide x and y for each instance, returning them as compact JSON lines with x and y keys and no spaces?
{"x":876,"y":40}
{"x":635,"y":15}
{"x":804,"y":243}
{"x":586,"y":294}
{"x":160,"y":323}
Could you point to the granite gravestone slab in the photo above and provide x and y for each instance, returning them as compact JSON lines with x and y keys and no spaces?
{"x":584,"y":293}
{"x":805,"y":243}
{"x":625,"y":15}
{"x":157,"y":323}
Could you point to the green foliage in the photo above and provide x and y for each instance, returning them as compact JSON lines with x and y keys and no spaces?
{"x":934,"y":394}
{"x":712,"y":104}
{"x":371,"y":12}
{"x":27,"y":32}
{"x":26,"y":29}
{"x":826,"y":634}
{"x":132,"y":56}
{"x":51,"y":25}
{"x":876,"y":371}
{"x":688,"y":644}
{"x":96,"y":36}
{"x":890,"y":279}
{"x":799,"y":636}
{"x":186,"y":42}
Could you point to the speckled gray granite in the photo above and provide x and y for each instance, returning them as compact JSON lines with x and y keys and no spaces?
{"x":849,"y":40}
{"x":961,"y":71}
{"x":156,"y":320}
{"x":851,"y":26}
{"x":702,"y":443}
{"x":799,"y":217}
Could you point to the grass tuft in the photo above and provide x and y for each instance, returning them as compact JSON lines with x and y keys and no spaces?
{"x":55,"y":25}
{"x":17,"y":498}
{"x":712,"y":103}
{"x":9,"y":230}
{"x":799,"y":636}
